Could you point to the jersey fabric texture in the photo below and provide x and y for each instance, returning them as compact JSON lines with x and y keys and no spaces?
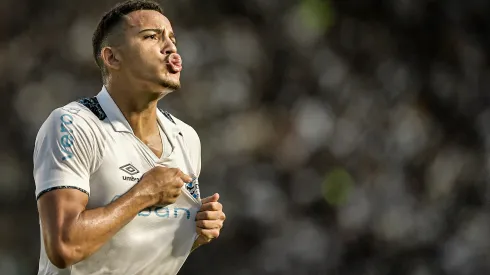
{"x":89,"y":146}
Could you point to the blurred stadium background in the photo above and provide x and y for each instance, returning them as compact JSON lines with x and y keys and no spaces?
{"x":345,"y":137}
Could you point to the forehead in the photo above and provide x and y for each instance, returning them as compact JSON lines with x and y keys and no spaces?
{"x":146,"y":19}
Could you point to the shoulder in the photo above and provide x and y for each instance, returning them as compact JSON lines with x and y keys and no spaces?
{"x":75,"y":114}
{"x":75,"y":120}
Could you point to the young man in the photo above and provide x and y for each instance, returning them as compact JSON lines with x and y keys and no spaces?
{"x":116,"y":178}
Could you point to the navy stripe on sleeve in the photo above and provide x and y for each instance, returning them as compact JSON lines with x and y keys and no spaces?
{"x":60,"y":187}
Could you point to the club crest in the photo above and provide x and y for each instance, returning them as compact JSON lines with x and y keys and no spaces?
{"x":193,"y":188}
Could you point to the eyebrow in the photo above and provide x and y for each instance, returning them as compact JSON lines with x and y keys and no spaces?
{"x":154,"y":30}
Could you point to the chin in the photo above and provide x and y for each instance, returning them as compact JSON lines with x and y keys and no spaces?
{"x":170,"y":84}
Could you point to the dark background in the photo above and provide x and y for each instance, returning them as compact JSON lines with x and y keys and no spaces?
{"x":345,"y":137}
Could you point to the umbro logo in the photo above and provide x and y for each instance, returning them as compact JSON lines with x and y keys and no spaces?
{"x":130,"y":169}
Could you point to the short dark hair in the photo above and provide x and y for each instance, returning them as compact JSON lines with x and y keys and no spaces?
{"x":112,"y":18}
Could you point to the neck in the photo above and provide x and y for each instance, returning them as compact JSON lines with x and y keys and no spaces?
{"x":138,"y":106}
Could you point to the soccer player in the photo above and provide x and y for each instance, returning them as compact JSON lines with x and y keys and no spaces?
{"x":116,"y":178}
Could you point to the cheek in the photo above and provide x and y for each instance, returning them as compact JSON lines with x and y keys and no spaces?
{"x":138,"y":55}
{"x":145,"y":62}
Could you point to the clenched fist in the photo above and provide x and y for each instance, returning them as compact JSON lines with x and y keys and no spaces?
{"x":163,"y":184}
{"x":209,"y":220}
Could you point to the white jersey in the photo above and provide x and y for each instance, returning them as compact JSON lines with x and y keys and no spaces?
{"x":90,"y":146}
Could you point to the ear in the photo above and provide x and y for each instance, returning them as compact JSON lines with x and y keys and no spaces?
{"x":111,"y":58}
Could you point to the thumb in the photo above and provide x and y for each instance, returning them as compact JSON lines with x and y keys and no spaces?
{"x":212,"y":198}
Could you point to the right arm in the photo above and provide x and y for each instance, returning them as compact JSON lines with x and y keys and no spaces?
{"x":71,"y":233}
{"x":67,"y":152}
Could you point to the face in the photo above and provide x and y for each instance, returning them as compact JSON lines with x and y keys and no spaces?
{"x":148,"y":54}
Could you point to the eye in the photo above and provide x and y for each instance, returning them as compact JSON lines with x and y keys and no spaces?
{"x":153,"y":36}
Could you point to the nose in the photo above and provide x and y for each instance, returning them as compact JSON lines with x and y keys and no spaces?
{"x":169,"y":47}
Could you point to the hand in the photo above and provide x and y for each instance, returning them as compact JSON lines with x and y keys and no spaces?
{"x":162,"y":184}
{"x":209,"y":220}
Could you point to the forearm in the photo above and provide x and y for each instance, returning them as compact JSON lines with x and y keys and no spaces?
{"x":88,"y":231}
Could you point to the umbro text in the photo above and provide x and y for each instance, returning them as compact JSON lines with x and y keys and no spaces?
{"x":130,"y":178}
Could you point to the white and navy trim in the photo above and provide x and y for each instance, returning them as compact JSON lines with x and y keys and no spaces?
{"x":60,"y":187}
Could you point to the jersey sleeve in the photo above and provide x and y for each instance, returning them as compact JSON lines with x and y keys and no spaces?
{"x":65,"y":153}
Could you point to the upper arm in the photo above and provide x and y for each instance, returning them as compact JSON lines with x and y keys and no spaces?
{"x":58,"y":211}
{"x":65,"y":155}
